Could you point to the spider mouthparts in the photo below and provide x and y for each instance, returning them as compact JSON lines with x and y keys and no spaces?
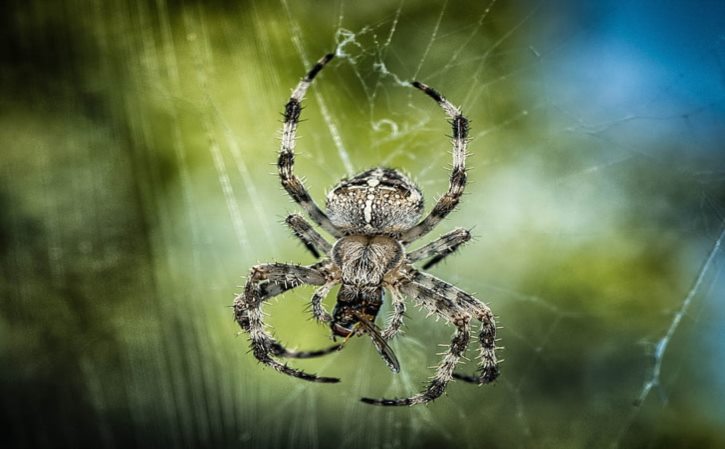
{"x":341,"y":331}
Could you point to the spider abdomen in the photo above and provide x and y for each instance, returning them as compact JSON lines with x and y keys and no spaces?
{"x":377,"y":201}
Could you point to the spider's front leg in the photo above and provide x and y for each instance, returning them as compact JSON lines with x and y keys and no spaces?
{"x":457,"y":307}
{"x":437,"y":250}
{"x":452,"y":313}
{"x":266,"y":281}
{"x":444,"y":372}
{"x":488,"y":369}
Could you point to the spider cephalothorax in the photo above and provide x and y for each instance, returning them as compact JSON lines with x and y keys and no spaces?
{"x":373,"y":216}
{"x":363,"y":261}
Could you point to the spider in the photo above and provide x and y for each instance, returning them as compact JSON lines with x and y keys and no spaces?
{"x":374,"y":216}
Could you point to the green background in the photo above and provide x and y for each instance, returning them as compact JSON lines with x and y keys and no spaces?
{"x":137,"y":189}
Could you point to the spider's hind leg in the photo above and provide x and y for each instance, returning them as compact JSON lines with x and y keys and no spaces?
{"x":457,"y":182}
{"x":286,"y":159}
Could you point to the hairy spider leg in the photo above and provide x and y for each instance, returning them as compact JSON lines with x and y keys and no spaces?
{"x":488,"y":365}
{"x":459,"y":342}
{"x":457,"y":307}
{"x":280,"y":351}
{"x":271,"y":289}
{"x":285,"y":163}
{"x":457,"y":182}
{"x":396,"y":319}
{"x":440,"y":248}
{"x":318,"y":311}
{"x":248,"y":314}
{"x":313,"y":241}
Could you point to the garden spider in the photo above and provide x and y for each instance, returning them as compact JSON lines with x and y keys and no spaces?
{"x":373,"y":216}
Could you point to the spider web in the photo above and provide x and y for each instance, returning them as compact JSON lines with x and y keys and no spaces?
{"x":595,"y":198}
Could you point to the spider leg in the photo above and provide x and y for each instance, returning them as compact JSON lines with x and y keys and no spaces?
{"x":248,"y":314}
{"x":280,"y":351}
{"x":318,"y":311}
{"x":488,"y":369}
{"x":285,"y":164}
{"x":457,"y":183}
{"x":313,"y":241}
{"x":396,"y":320}
{"x":444,"y":372}
{"x":441,"y":248}
{"x":271,"y":289}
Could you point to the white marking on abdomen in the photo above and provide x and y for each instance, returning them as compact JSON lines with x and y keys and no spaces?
{"x":368,"y":209}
